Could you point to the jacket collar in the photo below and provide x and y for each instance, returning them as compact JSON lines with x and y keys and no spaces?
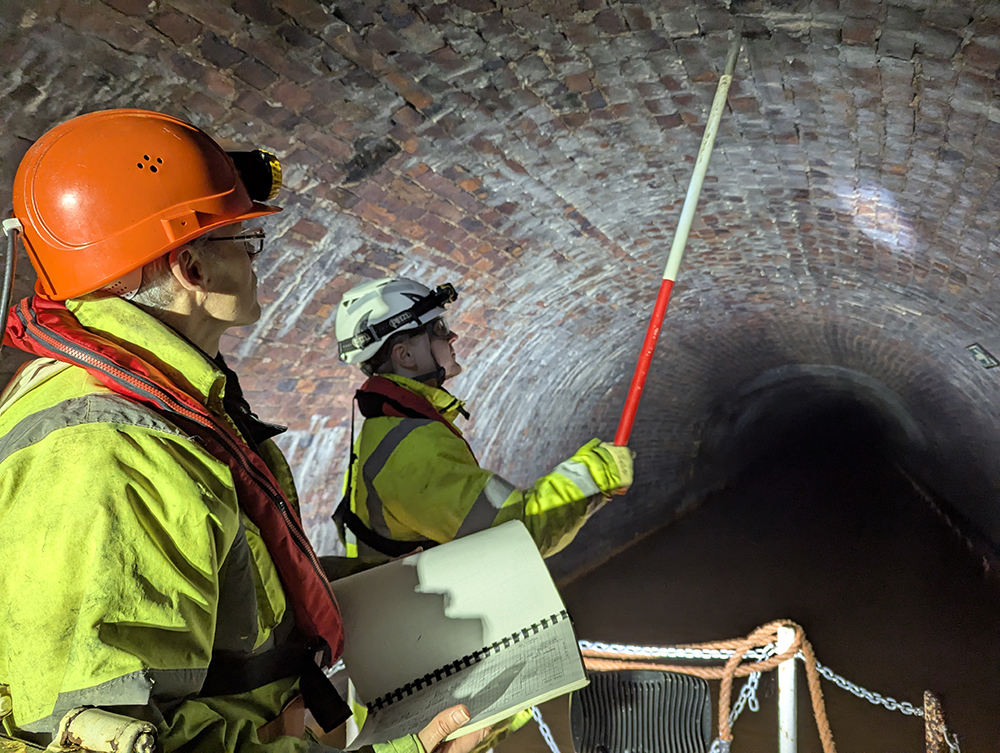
{"x":133,"y":329}
{"x":443,"y":401}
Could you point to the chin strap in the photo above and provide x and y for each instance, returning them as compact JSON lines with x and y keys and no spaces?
{"x":439,"y":374}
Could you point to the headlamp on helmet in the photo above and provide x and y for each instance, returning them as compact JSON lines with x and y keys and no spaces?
{"x":395,"y":305}
{"x":260,"y":172}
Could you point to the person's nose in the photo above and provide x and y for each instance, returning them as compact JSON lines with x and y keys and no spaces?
{"x":452,"y":336}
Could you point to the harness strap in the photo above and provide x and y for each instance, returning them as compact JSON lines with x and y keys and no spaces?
{"x":231,"y":674}
{"x":344,"y":517}
{"x":378,"y":542}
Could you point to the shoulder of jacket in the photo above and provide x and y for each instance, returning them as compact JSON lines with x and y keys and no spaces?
{"x":431,"y":438}
{"x":42,"y":380}
{"x":95,"y":411}
{"x":407,"y":424}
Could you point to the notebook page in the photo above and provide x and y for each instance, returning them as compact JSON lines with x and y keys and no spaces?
{"x":475,"y":621}
{"x":541,"y":667}
{"x":412,"y":616}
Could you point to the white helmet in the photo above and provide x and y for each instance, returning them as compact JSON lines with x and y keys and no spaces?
{"x":372,"y":312}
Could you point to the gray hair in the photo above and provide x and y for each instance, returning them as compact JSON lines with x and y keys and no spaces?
{"x":158,"y":285}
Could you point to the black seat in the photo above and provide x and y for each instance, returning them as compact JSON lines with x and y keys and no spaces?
{"x":641,"y":711}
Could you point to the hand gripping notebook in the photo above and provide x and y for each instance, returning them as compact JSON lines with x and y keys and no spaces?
{"x":476,"y":621}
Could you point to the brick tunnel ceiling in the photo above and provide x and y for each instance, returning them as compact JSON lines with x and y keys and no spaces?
{"x":536,"y":154}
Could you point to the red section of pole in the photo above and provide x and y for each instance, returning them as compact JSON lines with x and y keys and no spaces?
{"x":642,"y":367}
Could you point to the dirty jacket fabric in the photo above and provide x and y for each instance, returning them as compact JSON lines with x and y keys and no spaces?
{"x":129,"y":561}
{"x":416,"y":479}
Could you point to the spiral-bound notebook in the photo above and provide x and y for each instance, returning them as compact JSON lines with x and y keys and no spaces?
{"x":475,"y":621}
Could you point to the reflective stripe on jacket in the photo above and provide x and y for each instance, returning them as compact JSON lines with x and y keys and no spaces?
{"x":128,"y":562}
{"x":416,"y":478}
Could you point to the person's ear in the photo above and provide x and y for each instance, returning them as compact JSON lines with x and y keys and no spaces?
{"x":188,"y":268}
{"x":402,"y":355}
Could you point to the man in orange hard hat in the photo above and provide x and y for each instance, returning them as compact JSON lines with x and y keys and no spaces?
{"x":154,"y":560}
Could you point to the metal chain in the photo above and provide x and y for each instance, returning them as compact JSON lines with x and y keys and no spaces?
{"x":952,"y":739}
{"x":759,"y":654}
{"x":747,"y":697}
{"x":667,"y":652}
{"x":890,"y":703}
{"x":544,"y":729}
{"x":748,"y":693}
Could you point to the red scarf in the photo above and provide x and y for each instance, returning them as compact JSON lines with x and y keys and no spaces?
{"x":47,"y":328}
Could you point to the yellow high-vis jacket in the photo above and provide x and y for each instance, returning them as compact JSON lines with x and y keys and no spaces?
{"x":415,"y":479}
{"x":127,"y":562}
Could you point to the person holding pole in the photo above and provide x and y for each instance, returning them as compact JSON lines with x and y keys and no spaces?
{"x":413,"y":480}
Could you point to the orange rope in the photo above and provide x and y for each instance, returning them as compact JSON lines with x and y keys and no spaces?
{"x":607,"y":661}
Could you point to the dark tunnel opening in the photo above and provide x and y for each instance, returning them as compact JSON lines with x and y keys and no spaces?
{"x":815,"y":517}
{"x":835,"y":431}
{"x":819,"y":412}
{"x":827,"y":418}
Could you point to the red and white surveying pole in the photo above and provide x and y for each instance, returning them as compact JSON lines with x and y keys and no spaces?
{"x":680,"y":241}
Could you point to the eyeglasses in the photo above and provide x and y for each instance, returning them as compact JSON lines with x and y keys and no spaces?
{"x":252,"y":240}
{"x":438,"y":328}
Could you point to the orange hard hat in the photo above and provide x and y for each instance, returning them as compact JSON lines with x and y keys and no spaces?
{"x":103,"y":194}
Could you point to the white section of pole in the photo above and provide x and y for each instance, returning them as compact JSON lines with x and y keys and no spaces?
{"x":704,"y":155}
{"x":787,"y":727}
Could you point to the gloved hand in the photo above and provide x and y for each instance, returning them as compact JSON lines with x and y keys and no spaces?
{"x":622,"y":458}
{"x":613,"y":472}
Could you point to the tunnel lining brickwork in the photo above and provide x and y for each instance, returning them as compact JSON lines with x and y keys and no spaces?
{"x":850,"y":217}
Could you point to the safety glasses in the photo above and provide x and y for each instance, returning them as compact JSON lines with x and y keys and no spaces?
{"x":252,"y":240}
{"x":438,"y":328}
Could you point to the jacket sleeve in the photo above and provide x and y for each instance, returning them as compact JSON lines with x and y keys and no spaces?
{"x":213,"y":725}
{"x":432,"y":484}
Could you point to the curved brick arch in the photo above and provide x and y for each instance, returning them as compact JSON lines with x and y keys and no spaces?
{"x":774,"y":401}
{"x":536,"y":153}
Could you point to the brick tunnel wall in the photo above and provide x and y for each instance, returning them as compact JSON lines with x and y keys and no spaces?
{"x":536,"y":153}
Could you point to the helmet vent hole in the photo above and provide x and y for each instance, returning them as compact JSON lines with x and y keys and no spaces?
{"x":152,"y":168}
{"x":146,"y":157}
{"x":159,"y":161}
{"x":139,"y":165}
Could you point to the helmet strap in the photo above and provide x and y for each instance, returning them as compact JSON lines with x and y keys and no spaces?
{"x":439,"y":372}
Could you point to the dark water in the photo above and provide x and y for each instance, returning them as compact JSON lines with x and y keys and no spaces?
{"x":826,"y":532}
